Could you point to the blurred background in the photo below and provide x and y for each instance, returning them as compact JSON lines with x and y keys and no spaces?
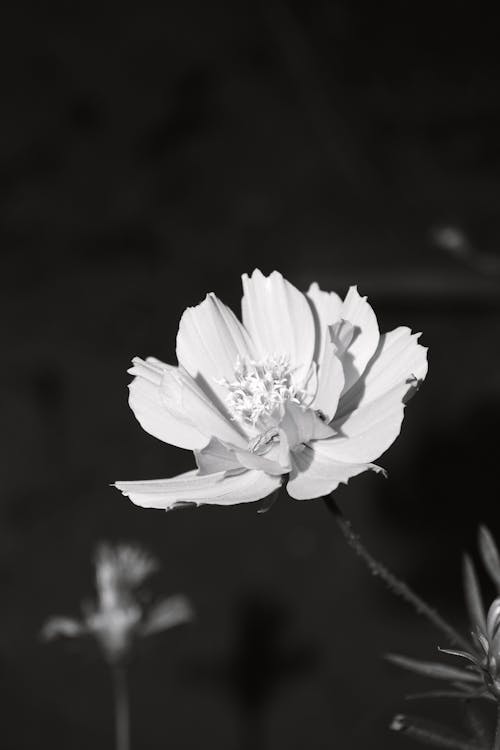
{"x":151,"y":153}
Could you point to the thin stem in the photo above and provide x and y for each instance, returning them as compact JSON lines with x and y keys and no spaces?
{"x":496,"y":741}
{"x":476,"y":724}
{"x":122,"y":717}
{"x":394,"y":584}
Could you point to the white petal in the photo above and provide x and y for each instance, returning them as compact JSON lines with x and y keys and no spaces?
{"x":198,"y":489}
{"x":341,"y":335}
{"x":166,"y":614}
{"x":209,"y":342}
{"x":62,"y":626}
{"x":330,"y":382}
{"x":206,"y":415}
{"x":302,"y":425}
{"x":370,"y":415}
{"x":359,"y":313}
{"x":153,"y":396}
{"x":279,"y":320}
{"x":217,"y":456}
{"x":369,"y":431}
{"x":326,"y":307}
{"x":263,"y":463}
{"x":329,"y":310}
{"x":315,"y":473}
{"x":399,"y":360}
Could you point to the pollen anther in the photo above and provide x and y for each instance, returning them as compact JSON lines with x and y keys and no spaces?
{"x":260,"y":389}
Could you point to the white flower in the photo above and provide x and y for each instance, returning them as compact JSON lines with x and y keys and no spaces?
{"x":119,"y":614}
{"x":305,"y":388}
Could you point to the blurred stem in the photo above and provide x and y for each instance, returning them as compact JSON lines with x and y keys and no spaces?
{"x":122,"y":719}
{"x":394,"y":584}
{"x":496,"y":741}
{"x":476,"y":724}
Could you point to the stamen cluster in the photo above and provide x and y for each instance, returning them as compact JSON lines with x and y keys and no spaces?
{"x":259,"y":389}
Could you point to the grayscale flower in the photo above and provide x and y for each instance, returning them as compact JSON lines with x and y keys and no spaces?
{"x":120,"y":614}
{"x":305,"y":391}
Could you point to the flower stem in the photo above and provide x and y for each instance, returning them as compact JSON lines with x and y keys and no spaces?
{"x":496,"y":741}
{"x":122,"y":719}
{"x":394,"y":584}
{"x":476,"y":724}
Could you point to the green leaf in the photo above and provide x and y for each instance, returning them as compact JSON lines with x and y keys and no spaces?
{"x":489,"y":555}
{"x":437,"y":670}
{"x":473,"y":598}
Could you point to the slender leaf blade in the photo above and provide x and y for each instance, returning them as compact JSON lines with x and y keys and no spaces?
{"x":473,"y":598}
{"x":436,"y":670}
{"x":429,"y":733}
{"x":489,"y":555}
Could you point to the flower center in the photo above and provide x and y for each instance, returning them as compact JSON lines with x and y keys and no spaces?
{"x":259,"y":389}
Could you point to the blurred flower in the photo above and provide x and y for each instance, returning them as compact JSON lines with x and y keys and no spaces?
{"x":452,"y":239}
{"x":480,"y":677}
{"x":119,"y":615}
{"x":306,"y":388}
{"x":455,"y":241}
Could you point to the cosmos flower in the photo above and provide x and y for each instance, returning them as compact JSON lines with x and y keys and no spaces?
{"x":306,"y":390}
{"x":119,"y":614}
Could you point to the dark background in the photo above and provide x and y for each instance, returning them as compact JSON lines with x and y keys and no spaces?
{"x":151,"y":153}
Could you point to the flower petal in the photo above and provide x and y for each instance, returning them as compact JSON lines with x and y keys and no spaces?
{"x":217,"y":456}
{"x":356,"y":310}
{"x":370,"y":430}
{"x":66,"y":627}
{"x":166,"y":614}
{"x":209,"y":342}
{"x":316,"y":473}
{"x":326,"y":308}
{"x":302,"y":425}
{"x":370,"y":415}
{"x":155,"y":400}
{"x":209,"y":420}
{"x":198,"y":489}
{"x":279,"y":320}
{"x":399,"y":359}
{"x":330,"y":382}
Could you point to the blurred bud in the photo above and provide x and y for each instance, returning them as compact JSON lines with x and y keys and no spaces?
{"x":452,"y":239}
{"x":119,"y":614}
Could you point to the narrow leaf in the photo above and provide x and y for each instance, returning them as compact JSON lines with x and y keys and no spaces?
{"x":429,"y":733}
{"x":452,"y":694}
{"x":489,"y":555}
{"x":461,"y":654}
{"x":473,"y":598}
{"x":432,"y":669}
